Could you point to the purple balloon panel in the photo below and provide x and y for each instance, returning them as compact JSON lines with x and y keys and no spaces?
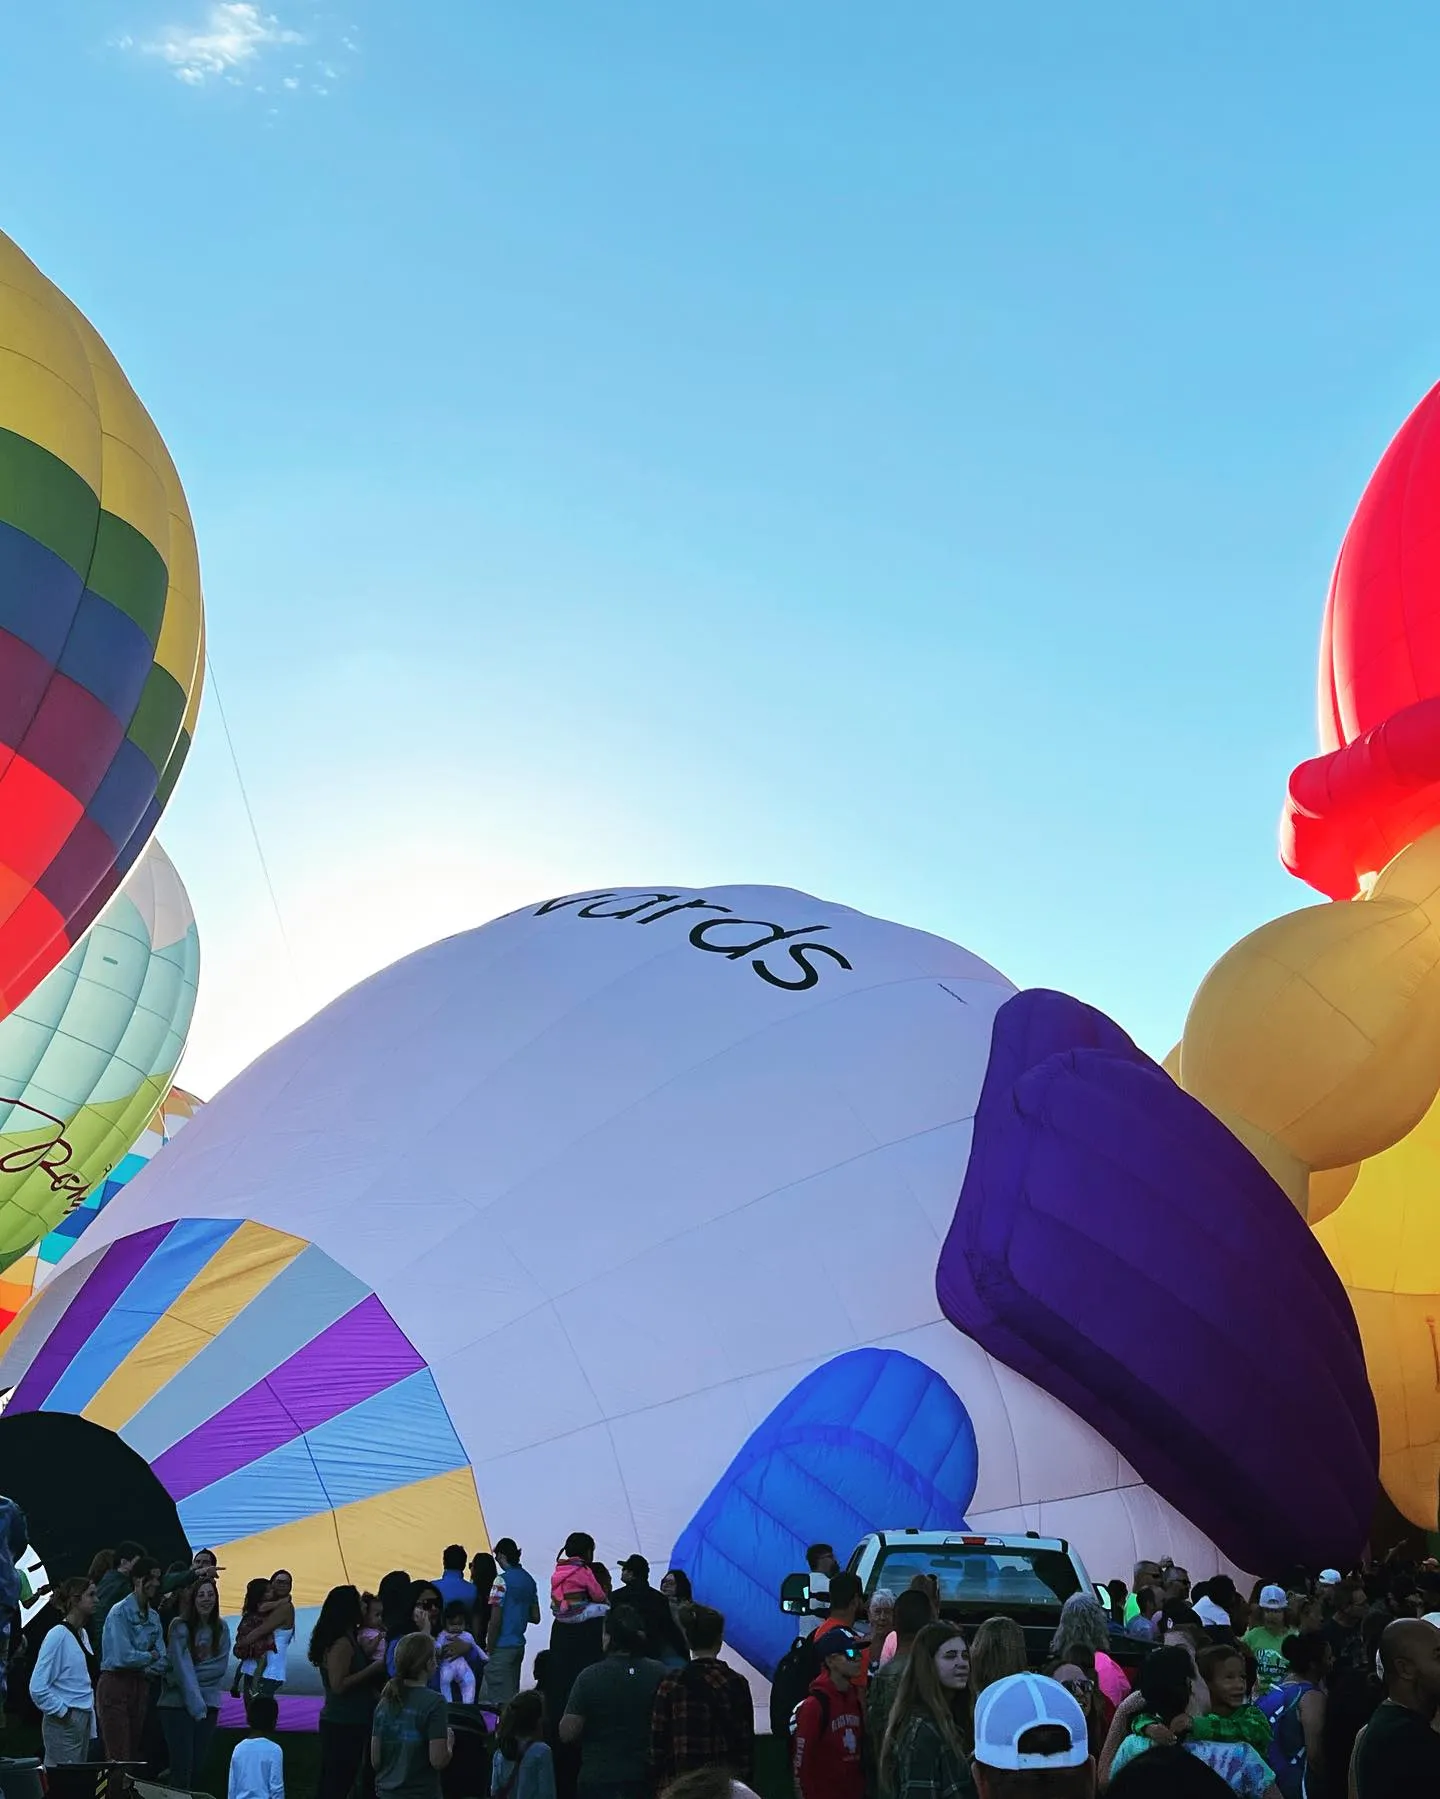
{"x":1115,"y":1244}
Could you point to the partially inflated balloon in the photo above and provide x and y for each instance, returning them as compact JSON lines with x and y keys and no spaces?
{"x":32,"y":1270}
{"x":101,"y":629}
{"x":1094,"y":1249}
{"x":88,"y":1057}
{"x":677,"y":1111}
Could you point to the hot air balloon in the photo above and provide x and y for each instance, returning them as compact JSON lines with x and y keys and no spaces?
{"x":86,"y":1060}
{"x":1316,"y":1039}
{"x":660,"y":1205}
{"x":101,"y":626}
{"x":31,"y":1271}
{"x":1376,"y":786}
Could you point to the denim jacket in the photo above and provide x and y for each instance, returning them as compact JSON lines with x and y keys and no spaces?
{"x":131,"y":1641}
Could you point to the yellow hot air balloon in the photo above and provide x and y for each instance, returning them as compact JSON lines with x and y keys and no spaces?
{"x":1317,"y":1040}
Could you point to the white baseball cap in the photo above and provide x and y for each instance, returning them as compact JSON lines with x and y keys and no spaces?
{"x":1273,"y":1599}
{"x":1005,"y":1711}
{"x":1329,"y":1577}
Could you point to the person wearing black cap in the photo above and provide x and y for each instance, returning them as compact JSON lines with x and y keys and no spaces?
{"x":664,"y":1639}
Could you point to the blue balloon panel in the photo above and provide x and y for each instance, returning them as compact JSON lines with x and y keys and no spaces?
{"x":873,"y":1440}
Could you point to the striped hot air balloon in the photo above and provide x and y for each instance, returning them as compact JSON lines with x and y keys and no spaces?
{"x":101,"y":626}
{"x":89,"y":1056}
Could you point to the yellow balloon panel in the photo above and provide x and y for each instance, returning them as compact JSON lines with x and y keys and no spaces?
{"x":1384,"y":1241}
{"x":1321,"y":1030}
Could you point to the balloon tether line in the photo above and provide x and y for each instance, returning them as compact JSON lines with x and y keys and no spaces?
{"x":249,"y":812}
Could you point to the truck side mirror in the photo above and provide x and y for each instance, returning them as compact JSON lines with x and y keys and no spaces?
{"x":795,"y":1595}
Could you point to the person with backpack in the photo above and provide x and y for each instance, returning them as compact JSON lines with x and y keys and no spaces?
{"x":827,"y":1735}
{"x":796,"y":1672}
{"x":704,"y":1714}
{"x":1296,"y":1711}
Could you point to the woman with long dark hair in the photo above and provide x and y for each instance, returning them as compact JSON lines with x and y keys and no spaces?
{"x":410,"y":1739}
{"x":930,"y":1737}
{"x":396,"y":1606}
{"x":483,"y":1569}
{"x":198,"y":1645}
{"x":426,"y":1610}
{"x":351,"y":1681}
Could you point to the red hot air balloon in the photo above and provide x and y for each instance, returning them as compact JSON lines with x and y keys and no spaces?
{"x":1376,"y":787}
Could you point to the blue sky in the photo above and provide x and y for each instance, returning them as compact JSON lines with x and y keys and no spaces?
{"x":892,"y":451}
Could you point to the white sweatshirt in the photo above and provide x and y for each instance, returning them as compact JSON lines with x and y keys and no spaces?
{"x":60,"y":1680}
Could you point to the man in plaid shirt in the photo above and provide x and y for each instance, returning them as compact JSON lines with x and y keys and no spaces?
{"x":704,"y":1714}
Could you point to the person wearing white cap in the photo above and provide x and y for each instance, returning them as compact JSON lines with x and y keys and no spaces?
{"x":1266,"y":1642}
{"x":1031,"y":1742}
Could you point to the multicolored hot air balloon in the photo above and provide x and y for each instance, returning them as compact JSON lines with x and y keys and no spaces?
{"x":86,"y":1060}
{"x":32,"y":1270}
{"x":101,"y":626}
{"x":878,"y":1239}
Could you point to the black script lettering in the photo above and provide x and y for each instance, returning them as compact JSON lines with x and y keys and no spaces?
{"x":686,"y":906}
{"x":50,"y":1156}
{"x":578,"y":899}
{"x":632,"y":906}
{"x":797,"y":953}
{"x":777,"y":935}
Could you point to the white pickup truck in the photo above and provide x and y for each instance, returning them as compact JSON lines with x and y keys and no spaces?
{"x":1027,"y":1578}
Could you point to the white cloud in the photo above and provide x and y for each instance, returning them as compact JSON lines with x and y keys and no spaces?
{"x":234,"y":34}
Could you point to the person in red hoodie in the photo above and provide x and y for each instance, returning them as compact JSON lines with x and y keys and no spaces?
{"x":828,"y":1743}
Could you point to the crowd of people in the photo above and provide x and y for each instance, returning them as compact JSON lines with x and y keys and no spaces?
{"x":1324,"y":1688}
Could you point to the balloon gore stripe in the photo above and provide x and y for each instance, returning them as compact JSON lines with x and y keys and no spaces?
{"x":349,"y":1362}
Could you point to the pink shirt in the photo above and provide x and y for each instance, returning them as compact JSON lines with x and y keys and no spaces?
{"x":1114,"y":1682}
{"x":573,"y":1585}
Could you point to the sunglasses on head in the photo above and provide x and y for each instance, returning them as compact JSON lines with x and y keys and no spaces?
{"x":1080,"y":1686}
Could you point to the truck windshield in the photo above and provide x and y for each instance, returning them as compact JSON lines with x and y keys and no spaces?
{"x":979,"y":1576}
